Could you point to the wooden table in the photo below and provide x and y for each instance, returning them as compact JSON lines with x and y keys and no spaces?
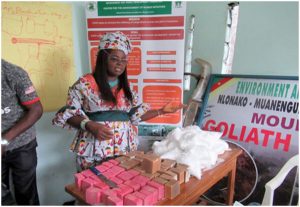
{"x":191,"y":191}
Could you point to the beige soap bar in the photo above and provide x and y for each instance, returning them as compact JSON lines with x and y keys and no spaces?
{"x":151,"y":163}
{"x":129,"y":164}
{"x":180,"y":174}
{"x":168,"y":162}
{"x":160,"y":180}
{"x":172,"y":189}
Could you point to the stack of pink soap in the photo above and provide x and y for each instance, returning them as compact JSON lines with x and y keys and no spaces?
{"x":131,"y":200}
{"x":141,"y":179}
{"x":93,"y":195}
{"x":125,"y":176}
{"x":160,"y":188}
{"x":133,"y":188}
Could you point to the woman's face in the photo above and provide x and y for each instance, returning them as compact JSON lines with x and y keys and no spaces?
{"x":117,"y":61}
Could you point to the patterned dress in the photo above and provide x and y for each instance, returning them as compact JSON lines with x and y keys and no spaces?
{"x":84,"y":98}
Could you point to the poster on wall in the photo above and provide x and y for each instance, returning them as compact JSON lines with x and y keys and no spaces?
{"x":37,"y":36}
{"x":156,"y":64}
{"x":259,"y":114}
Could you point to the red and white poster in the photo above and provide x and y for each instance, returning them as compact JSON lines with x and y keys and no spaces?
{"x":156,"y":65}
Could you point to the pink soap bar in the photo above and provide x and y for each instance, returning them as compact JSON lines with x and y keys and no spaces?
{"x":108,"y":164}
{"x":159,"y":187}
{"x":95,"y":177}
{"x":153,"y":191}
{"x":148,"y":193}
{"x":114,"y":162}
{"x":131,"y":200}
{"x":120,"y":192}
{"x":133,"y":184}
{"x":147,"y":199}
{"x":78,"y":179}
{"x":127,"y":189}
{"x":114,"y":201}
{"x":87,"y":182}
{"x":112,"y":172}
{"x":93,"y":195}
{"x":134,"y":172}
{"x":125,"y":176}
{"x":107,"y":174}
{"x":101,"y":184}
{"x":142,"y":180}
{"x":106,"y":193}
{"x":118,"y":169}
{"x":102,"y":168}
{"x":116,"y":180}
{"x":87,"y":173}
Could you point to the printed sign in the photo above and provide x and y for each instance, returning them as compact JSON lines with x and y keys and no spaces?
{"x":260,"y":114}
{"x":155,"y":67}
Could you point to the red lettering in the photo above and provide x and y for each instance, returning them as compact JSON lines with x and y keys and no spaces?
{"x":275,"y":120}
{"x":285,"y":142}
{"x":283,"y":123}
{"x":230,"y":134}
{"x":243,"y":131}
{"x":208,"y":127}
{"x":267,"y":134}
{"x":252,"y":136}
{"x":222,"y":127}
{"x":258,"y":119}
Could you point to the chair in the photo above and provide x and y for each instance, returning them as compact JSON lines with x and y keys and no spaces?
{"x":278,"y":179}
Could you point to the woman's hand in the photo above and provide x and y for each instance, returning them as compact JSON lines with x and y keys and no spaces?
{"x":172,"y":107}
{"x":100,"y":131}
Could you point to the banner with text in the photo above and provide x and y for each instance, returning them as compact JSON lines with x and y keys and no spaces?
{"x":260,"y":114}
{"x":156,"y":65}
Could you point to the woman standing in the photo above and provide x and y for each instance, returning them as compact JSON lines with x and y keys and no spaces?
{"x":104,"y":108}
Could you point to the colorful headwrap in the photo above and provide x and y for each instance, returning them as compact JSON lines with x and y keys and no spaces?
{"x":115,"y":40}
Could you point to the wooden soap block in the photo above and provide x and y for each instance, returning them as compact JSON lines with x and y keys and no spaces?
{"x":149,"y":175}
{"x":151,"y":163}
{"x":121,"y":159}
{"x":169,"y":163}
{"x":164,"y":166}
{"x":170,"y":173}
{"x":160,"y":180}
{"x":139,"y":169}
{"x":172,"y":189}
{"x":166,"y":177}
{"x":139,"y":158}
{"x":180,"y":174}
{"x":187,"y":174}
{"x":129,"y":164}
{"x":179,"y":165}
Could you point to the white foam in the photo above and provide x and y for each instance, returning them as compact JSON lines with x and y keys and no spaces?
{"x":192,"y":146}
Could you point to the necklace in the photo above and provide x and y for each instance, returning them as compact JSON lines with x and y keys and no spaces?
{"x":113,"y":83}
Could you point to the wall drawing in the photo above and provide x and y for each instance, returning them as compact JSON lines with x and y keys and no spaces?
{"x":38,"y":37}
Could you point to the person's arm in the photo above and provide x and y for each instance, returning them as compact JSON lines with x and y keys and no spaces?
{"x":33,"y":114}
{"x":170,"y":107}
{"x":100,"y":131}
